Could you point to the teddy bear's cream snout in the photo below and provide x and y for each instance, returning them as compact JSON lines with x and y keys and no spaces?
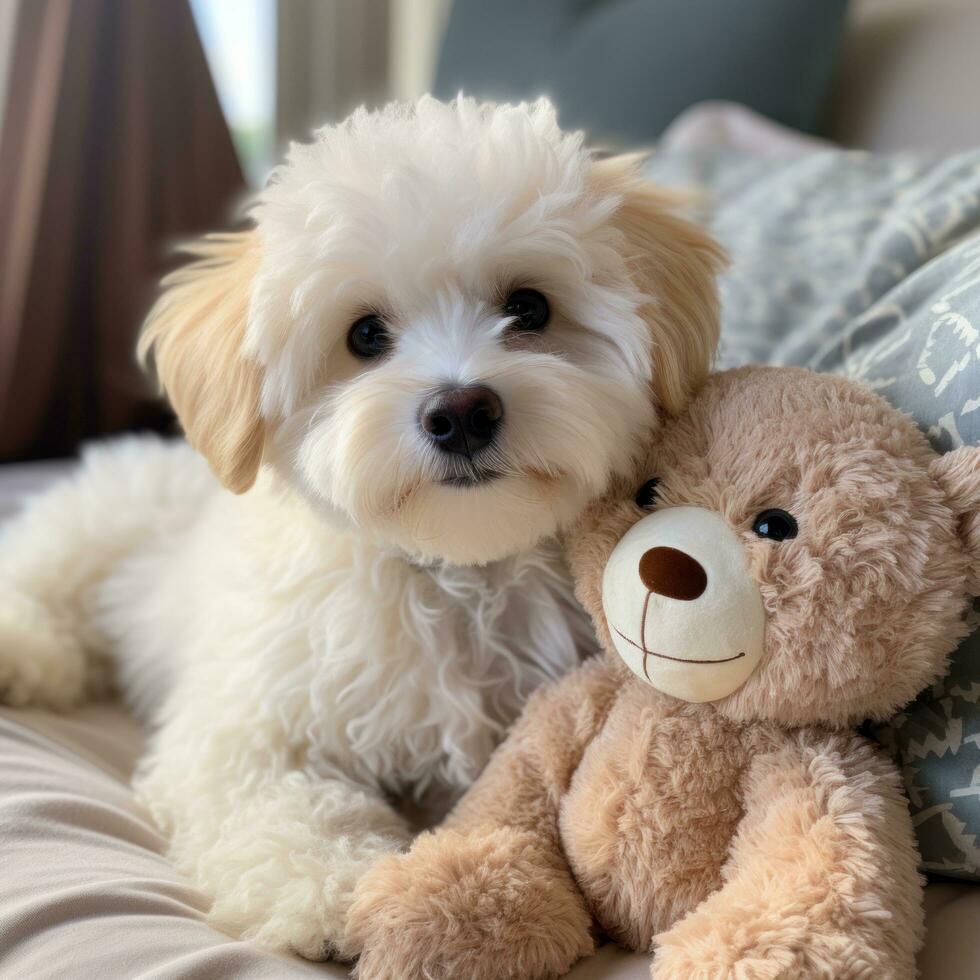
{"x":683,"y":609}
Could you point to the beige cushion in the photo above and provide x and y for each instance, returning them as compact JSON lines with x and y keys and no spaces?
{"x":909,"y":76}
{"x":86,"y":892}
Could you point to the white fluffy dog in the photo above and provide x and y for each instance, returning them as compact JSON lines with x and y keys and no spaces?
{"x":438,"y":342}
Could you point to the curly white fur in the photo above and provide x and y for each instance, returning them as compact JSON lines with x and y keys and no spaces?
{"x":353,"y":628}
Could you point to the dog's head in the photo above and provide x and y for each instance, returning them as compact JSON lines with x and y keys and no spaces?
{"x":444,"y":328}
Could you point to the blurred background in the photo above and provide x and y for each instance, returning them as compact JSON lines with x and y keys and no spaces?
{"x":126,"y":125}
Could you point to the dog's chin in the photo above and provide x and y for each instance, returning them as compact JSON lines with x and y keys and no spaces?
{"x":469,"y":477}
{"x":472,"y":518}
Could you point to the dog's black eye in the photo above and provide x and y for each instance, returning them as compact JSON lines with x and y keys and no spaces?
{"x":776,"y":525}
{"x":528,"y":308}
{"x":647,"y":495}
{"x":369,"y":337}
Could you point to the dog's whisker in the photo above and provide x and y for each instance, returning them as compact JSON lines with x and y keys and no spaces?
{"x":402,"y":498}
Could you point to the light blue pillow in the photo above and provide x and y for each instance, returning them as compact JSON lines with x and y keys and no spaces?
{"x":870,"y":267}
{"x":622,"y":71}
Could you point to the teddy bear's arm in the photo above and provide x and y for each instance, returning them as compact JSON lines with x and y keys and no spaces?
{"x":821,"y":879}
{"x":489,"y":894}
{"x":523,"y":783}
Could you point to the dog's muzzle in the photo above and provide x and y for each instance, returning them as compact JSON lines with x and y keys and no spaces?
{"x":683,"y":609}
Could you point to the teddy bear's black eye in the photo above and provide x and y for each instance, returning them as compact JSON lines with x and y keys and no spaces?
{"x":647,"y":495}
{"x":529,"y":309}
{"x":369,"y":337}
{"x":776,"y":525}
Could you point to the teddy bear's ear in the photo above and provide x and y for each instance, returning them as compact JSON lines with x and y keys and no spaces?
{"x":958,"y":473}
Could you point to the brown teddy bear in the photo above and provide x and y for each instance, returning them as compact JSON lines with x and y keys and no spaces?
{"x":793,"y":558}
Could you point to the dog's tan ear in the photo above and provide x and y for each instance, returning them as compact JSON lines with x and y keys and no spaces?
{"x":194,"y":337}
{"x":674,"y":262}
{"x":958,"y":473}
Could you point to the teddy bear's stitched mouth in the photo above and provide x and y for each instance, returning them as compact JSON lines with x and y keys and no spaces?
{"x":679,"y":660}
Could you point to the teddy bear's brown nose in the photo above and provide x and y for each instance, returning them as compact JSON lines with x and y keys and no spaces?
{"x":672,"y":573}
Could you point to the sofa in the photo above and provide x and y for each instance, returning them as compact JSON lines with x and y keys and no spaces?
{"x":85,"y":889}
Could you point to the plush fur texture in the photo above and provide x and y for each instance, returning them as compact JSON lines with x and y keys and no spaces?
{"x":757,"y":836}
{"x":345,"y":626}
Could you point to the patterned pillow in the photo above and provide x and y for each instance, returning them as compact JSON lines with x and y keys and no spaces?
{"x":870,"y":267}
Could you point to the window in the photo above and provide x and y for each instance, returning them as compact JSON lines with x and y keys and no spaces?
{"x":239,"y":38}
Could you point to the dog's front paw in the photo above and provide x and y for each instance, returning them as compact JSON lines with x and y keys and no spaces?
{"x":41,"y":664}
{"x":493,"y":906}
{"x":289,"y":917}
{"x":289,"y":891}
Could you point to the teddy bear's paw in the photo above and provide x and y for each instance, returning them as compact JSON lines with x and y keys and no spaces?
{"x":713,"y":958}
{"x":732,"y":944}
{"x":706,"y":958}
{"x":493,"y":906}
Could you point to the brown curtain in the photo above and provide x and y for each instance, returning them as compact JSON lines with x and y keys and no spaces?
{"x":113,"y":146}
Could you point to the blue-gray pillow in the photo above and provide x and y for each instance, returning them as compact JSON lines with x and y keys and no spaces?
{"x":623,"y":69}
{"x":870,"y":266}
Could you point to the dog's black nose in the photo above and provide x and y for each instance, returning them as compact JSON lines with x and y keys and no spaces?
{"x":672,"y":573}
{"x":462,"y":420}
